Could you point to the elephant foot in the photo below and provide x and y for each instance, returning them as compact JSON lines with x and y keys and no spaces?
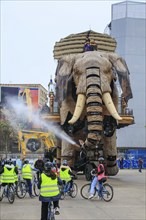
{"x":112,"y":170}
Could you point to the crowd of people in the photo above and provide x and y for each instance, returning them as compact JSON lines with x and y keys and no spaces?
{"x":49,"y":177}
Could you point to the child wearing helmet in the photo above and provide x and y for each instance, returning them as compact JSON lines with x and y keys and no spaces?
{"x":47,"y":192}
{"x":55,"y":167}
{"x":27,"y":175}
{"x":66,"y":173}
{"x":7,"y":173}
{"x":99,"y":178}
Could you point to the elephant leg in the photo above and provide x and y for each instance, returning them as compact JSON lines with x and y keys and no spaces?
{"x":68,"y":152}
{"x":110,"y":154}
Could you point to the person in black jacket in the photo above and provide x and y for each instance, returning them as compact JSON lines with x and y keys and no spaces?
{"x":39,"y":165}
{"x":51,"y":190}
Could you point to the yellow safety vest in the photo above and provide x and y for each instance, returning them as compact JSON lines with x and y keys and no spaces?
{"x":64,"y":175}
{"x":26,"y":172}
{"x":8,"y":176}
{"x":49,"y":187}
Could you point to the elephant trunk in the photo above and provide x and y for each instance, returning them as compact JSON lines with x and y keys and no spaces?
{"x":94,"y":107}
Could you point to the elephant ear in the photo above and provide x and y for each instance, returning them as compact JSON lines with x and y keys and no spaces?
{"x":64,"y":76}
{"x":124,"y":81}
{"x":120,"y":69}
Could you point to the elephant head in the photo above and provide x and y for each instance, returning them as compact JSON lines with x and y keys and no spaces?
{"x":87,"y":89}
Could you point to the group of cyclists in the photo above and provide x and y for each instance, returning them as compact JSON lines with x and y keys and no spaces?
{"x":49,"y":179}
{"x":48,"y":175}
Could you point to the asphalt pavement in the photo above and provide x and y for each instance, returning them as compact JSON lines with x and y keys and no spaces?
{"x":128,"y":202}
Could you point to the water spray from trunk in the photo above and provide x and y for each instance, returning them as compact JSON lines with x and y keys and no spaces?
{"x":22,"y":112}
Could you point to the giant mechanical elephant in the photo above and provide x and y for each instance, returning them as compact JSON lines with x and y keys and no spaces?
{"x":88,"y":101}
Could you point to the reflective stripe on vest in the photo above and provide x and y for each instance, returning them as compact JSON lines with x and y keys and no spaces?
{"x":49,"y":187}
{"x":100,"y":176}
{"x":27,"y":172}
{"x":8,"y":176}
{"x":64,"y":175}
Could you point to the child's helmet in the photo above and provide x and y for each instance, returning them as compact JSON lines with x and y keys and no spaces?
{"x":101,"y":159}
{"x":48,"y":166}
{"x":65,"y":163}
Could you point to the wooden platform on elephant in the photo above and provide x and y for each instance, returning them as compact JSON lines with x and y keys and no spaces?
{"x":74,"y":43}
{"x":126,"y":120}
{"x":51,"y":117}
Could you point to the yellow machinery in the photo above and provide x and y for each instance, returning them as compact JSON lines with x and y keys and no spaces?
{"x":32,"y":139}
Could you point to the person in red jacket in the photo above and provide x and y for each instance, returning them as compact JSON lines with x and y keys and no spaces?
{"x":98,"y":178}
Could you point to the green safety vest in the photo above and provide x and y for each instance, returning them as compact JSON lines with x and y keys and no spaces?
{"x":26,"y":172}
{"x":8,"y":176}
{"x":64,"y":175}
{"x":49,"y":187}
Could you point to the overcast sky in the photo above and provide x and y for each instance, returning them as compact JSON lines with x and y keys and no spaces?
{"x":29,"y":30}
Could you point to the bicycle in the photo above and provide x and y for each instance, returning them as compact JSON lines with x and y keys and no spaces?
{"x":35,"y":186}
{"x":51,"y":213}
{"x":106,"y":193}
{"x":22,"y":188}
{"x":67,"y":190}
{"x":8,"y":192}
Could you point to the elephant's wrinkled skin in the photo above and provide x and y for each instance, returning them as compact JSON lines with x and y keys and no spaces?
{"x":88,"y":99}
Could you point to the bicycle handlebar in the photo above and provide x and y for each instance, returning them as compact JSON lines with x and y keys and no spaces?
{"x":93,"y":172}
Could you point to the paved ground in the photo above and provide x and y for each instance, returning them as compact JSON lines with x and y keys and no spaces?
{"x":128,"y":202}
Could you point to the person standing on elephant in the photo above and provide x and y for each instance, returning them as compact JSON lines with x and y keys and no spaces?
{"x":87,"y":46}
{"x":93,"y":45}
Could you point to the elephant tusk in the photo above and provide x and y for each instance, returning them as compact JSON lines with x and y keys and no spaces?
{"x":78,"y":109}
{"x":110,"y":106}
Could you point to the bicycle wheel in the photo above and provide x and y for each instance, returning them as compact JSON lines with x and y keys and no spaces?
{"x":21,"y":190}
{"x":85,"y":191}
{"x":74,"y":190}
{"x":1,"y":194}
{"x":11,"y":194}
{"x":35,"y":189}
{"x":62,"y":193}
{"x":107,"y":192}
{"x":51,"y":215}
